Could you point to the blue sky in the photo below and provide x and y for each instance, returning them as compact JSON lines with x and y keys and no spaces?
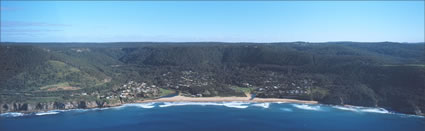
{"x":236,"y":21}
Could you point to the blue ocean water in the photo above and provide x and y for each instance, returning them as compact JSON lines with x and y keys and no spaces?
{"x":206,"y":116}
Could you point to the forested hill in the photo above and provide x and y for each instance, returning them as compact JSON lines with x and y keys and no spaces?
{"x":386,"y":74}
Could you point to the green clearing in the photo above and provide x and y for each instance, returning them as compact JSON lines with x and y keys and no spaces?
{"x":242,"y":89}
{"x":165,"y":92}
{"x":55,"y":85}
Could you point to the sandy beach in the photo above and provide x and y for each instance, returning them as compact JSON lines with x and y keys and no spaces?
{"x":180,"y":98}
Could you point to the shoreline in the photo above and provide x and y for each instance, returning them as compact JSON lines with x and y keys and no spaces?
{"x":180,"y":98}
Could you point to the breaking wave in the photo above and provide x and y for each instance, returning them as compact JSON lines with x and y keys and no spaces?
{"x":346,"y":108}
{"x":168,"y":104}
{"x":12,"y":114}
{"x":236,"y":105}
{"x":362,"y":109}
{"x":46,"y":113}
{"x":142,"y":105}
{"x":307,"y":107}
{"x":226,"y":104}
{"x":375,"y":110}
{"x":264,"y":105}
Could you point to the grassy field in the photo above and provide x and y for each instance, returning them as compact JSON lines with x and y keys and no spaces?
{"x":63,"y":84}
{"x":165,"y":92}
{"x":242,"y":89}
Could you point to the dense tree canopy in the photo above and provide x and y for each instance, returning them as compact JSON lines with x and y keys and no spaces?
{"x":384,"y":74}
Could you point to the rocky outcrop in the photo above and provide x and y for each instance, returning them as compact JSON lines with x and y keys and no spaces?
{"x":36,"y":107}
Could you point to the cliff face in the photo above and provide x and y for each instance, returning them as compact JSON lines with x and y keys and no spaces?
{"x":27,"y":107}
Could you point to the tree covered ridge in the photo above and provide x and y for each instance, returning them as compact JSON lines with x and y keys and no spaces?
{"x":385,"y":74}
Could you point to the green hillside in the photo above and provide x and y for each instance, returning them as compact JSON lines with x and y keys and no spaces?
{"x":389,"y":75}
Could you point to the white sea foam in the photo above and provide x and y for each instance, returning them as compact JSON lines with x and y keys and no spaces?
{"x":236,"y":105}
{"x":362,"y":109}
{"x":286,"y":109}
{"x":168,"y":104}
{"x":346,"y":108}
{"x":264,"y":105}
{"x":51,"y":112}
{"x":409,"y":115}
{"x":307,"y":107}
{"x":147,"y":105}
{"x":46,"y":113}
{"x":103,"y":108}
{"x":375,"y":110}
{"x":84,"y":110}
{"x":226,"y":104}
{"x":78,"y":110}
{"x":12,"y":114}
{"x":142,"y":105}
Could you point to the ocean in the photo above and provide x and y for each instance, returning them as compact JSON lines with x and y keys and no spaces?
{"x":214,"y":116}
